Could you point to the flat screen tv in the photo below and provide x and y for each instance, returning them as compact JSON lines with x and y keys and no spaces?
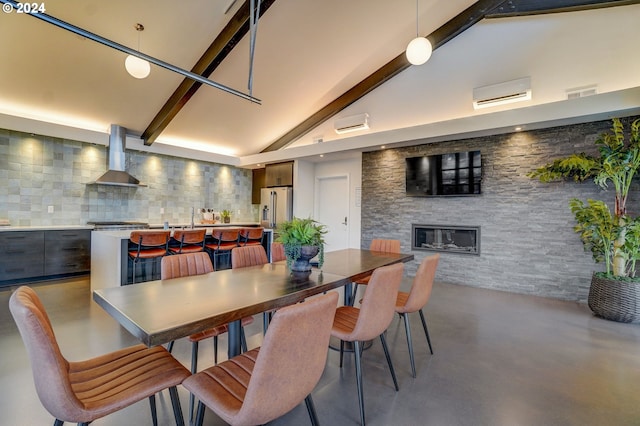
{"x":453,"y":174}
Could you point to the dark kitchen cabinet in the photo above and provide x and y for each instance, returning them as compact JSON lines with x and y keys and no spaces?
{"x":36,"y":255}
{"x":22,"y":254}
{"x":257,"y":183}
{"x":280,"y":174}
{"x":67,"y":252}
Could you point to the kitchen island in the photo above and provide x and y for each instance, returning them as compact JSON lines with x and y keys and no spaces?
{"x":109,"y":259}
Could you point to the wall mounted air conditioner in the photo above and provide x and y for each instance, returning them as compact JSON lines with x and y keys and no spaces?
{"x":352,"y":123}
{"x":502,"y":93}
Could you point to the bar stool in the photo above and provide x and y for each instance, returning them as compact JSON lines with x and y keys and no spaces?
{"x":251,"y":236}
{"x":224,"y":242}
{"x":149,"y":247}
{"x":189,"y":240}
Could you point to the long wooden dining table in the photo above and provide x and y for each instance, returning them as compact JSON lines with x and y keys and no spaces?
{"x":158,"y":312}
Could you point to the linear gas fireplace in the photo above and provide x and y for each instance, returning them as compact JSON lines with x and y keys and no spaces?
{"x":446,"y":238}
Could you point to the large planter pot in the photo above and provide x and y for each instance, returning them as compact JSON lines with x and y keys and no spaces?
{"x":615,"y":300}
{"x":301,"y":264}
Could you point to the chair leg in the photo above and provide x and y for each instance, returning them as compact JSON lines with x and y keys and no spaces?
{"x":312,"y":411}
{"x":154,"y":412}
{"x":175,"y":403}
{"x":215,"y":349}
{"x":386,"y":354}
{"x":194,"y":369}
{"x":199,"y":414}
{"x":341,"y":352}
{"x":170,"y":346}
{"x":407,"y":329}
{"x":58,"y":422}
{"x":357,"y":353}
{"x":243,"y":340}
{"x":426,"y":331}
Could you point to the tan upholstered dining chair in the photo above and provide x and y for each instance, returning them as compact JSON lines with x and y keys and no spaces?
{"x":268,"y":382}
{"x":84,"y":391}
{"x":381,"y":245}
{"x":358,"y":325}
{"x":252,"y":255}
{"x":277,"y":252}
{"x":416,"y":299}
{"x":184,"y":265}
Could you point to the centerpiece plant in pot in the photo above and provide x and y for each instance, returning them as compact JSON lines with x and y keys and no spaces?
{"x":612,"y":238}
{"x":303,"y":239}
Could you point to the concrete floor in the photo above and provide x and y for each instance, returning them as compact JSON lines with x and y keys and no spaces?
{"x":500,"y":359}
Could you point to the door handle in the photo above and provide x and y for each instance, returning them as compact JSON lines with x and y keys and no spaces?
{"x":345,"y":221}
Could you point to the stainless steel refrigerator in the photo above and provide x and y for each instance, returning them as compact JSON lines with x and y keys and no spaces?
{"x":276,"y":205}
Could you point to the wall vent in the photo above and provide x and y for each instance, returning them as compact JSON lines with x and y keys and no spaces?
{"x":581,"y":92}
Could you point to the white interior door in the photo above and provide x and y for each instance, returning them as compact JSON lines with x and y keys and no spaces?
{"x":332,"y":210}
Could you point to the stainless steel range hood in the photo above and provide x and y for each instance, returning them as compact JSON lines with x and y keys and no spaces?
{"x":116,"y":175}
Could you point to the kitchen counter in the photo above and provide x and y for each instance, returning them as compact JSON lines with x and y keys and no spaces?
{"x":109,"y":260}
{"x":44,"y":228}
{"x":201,"y":225}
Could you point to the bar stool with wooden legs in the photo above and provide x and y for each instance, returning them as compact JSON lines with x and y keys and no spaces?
{"x":370,"y":320}
{"x":416,"y":299}
{"x":150,"y":246}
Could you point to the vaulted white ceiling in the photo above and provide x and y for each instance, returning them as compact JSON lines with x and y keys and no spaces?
{"x":308,"y":53}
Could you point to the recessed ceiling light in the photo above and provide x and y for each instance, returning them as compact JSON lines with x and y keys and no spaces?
{"x":383,"y":147}
{"x":321,"y":155}
{"x":518,"y":128}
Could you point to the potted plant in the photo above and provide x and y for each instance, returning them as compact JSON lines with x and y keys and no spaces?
{"x":302,"y":239}
{"x":225,"y":215}
{"x":612,"y":238}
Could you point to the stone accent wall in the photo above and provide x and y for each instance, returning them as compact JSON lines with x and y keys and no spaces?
{"x":40,"y":171}
{"x":527,"y":239}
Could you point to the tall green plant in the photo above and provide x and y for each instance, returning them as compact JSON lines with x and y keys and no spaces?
{"x":612,"y":238}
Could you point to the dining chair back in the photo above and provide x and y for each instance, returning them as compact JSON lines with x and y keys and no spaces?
{"x":84,"y":391}
{"x":376,"y":312}
{"x":148,"y":246}
{"x":251,"y":255}
{"x":268,"y":382}
{"x":380,"y":245}
{"x":416,"y":300}
{"x":185,"y":265}
{"x":277,"y":252}
{"x":188,"y":241}
{"x":242,"y":257}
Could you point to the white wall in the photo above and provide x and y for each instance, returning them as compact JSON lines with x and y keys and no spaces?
{"x":303,"y":188}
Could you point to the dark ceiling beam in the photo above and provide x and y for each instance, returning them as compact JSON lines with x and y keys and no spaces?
{"x":232,"y":33}
{"x":448,"y":31}
{"x":538,"y":7}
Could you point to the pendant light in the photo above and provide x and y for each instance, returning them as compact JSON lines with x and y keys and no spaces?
{"x":138,"y":68}
{"x":419,"y":49}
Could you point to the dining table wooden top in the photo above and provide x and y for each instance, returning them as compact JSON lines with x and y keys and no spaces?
{"x":158,"y":312}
